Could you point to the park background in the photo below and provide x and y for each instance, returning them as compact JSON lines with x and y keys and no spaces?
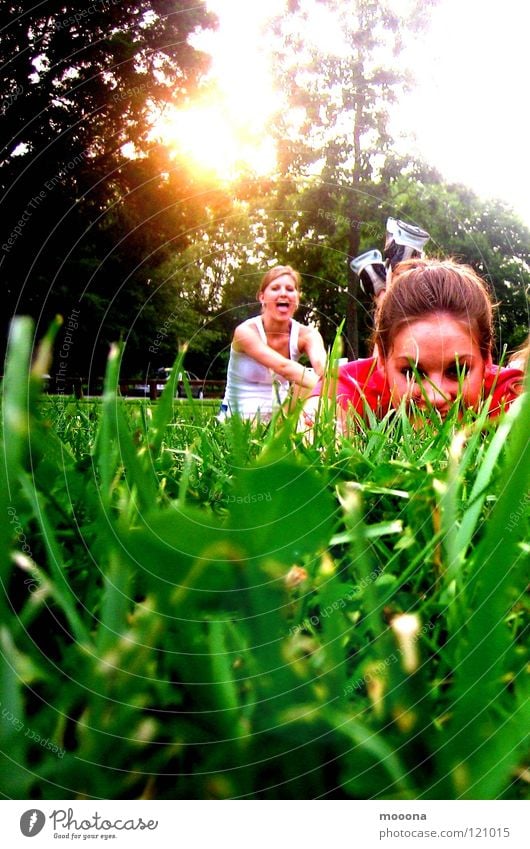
{"x":147,"y":184}
{"x":208,"y":611}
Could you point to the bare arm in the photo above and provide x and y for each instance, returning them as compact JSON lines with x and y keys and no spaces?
{"x":344,"y":425}
{"x":311,"y":344}
{"x":344,"y":421}
{"x":246,"y":340}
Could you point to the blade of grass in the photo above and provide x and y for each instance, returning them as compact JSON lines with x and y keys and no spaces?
{"x":116,"y":603}
{"x":105,"y":446}
{"x":361,"y":556}
{"x":12,"y":742}
{"x":61,"y":588}
{"x":479,"y":490}
{"x":485,"y":641}
{"x":142,"y":480}
{"x":15,"y":397}
{"x":163,"y":412}
{"x":374,"y":744}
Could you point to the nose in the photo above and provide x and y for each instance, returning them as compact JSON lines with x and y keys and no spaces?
{"x":435,"y":394}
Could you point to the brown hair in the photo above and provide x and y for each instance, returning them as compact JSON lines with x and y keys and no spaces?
{"x":275,"y":272}
{"x":420,"y":287}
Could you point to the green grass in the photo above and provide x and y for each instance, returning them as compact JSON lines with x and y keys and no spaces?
{"x":153,"y":647}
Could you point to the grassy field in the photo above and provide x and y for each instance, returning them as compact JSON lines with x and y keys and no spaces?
{"x":201,"y":610}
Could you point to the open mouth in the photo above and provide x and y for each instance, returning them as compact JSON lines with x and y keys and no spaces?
{"x":283,"y":306}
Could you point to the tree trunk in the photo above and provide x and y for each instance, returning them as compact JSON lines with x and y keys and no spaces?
{"x":352,"y":320}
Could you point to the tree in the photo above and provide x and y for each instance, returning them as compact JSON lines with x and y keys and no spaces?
{"x":340,"y":98}
{"x":79,"y":85}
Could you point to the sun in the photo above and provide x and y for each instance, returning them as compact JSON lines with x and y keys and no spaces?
{"x":217,"y":142}
{"x":225,"y":132}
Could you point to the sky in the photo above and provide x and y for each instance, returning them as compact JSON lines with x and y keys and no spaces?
{"x":469,"y":108}
{"x":466,"y":114}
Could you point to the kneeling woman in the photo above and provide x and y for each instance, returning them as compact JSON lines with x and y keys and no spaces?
{"x":265,"y":351}
{"x":434,"y":336}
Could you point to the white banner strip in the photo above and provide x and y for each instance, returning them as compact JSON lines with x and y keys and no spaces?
{"x":266,"y":824}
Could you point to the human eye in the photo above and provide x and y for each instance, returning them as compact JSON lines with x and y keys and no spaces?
{"x":412,"y":373}
{"x":457,"y":370}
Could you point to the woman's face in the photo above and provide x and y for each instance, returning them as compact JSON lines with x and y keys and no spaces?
{"x":280,"y":298}
{"x":445,"y":354}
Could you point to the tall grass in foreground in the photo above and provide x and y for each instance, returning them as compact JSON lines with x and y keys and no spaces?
{"x":197,"y":610}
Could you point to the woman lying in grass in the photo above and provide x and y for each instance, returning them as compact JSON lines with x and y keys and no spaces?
{"x":433,"y":337}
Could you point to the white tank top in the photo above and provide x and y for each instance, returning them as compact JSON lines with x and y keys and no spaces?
{"x":252,"y":388}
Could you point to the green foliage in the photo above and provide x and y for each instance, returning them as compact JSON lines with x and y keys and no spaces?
{"x":201,"y":610}
{"x":147,"y":251}
{"x":88,"y":224}
{"x":341,"y":95}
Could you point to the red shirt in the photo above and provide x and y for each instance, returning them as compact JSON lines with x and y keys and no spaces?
{"x":361,"y":381}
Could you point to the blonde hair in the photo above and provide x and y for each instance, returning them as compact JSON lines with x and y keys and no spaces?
{"x":278,"y":271}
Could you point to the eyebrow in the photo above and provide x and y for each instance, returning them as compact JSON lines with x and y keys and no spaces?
{"x":456,"y":357}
